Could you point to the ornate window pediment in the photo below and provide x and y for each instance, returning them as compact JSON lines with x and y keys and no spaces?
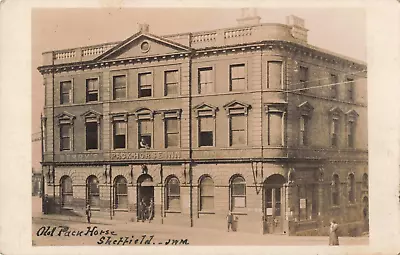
{"x":352,"y":115}
{"x":143,"y":113}
{"x":204,"y":109}
{"x":171,"y":113}
{"x":119,"y":116}
{"x":275,"y":107}
{"x":65,"y":118}
{"x":335,"y":112}
{"x":237,"y":107}
{"x":92,"y":115}
{"x":305,"y":108}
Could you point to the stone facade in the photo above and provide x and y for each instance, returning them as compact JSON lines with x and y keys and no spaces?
{"x":290,"y":176}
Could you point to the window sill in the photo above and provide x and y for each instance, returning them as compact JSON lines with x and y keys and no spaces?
{"x":335,"y":207}
{"x":92,"y":150}
{"x":352,"y":204}
{"x":171,"y":211}
{"x":121,"y":210}
{"x":95,"y":209}
{"x":238,"y":213}
{"x":206,"y":212}
{"x":67,"y":208}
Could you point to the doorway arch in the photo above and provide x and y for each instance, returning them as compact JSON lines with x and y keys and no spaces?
{"x":273,"y":211}
{"x":145,"y":195}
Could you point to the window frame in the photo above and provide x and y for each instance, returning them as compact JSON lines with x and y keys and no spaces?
{"x":351,"y":189}
{"x":334,"y":90}
{"x":168,"y":195}
{"x":71,"y":92}
{"x":233,"y":196}
{"x":150,"y":73}
{"x":119,"y":118}
{"x":276,"y":109}
{"x":304,"y":83}
{"x":244,"y":78}
{"x":177,"y":83}
{"x":125,"y":74}
{"x":63,"y":193}
{"x":235,"y":109}
{"x":144,"y":114}
{"x":199,"y":83}
{"x":118,"y":195}
{"x":350,"y":90}
{"x":282,"y":74}
{"x":168,"y":115}
{"x":64,"y":119}
{"x":335,"y":190}
{"x":205,"y":111}
{"x":89,"y":194}
{"x":201,"y":195}
{"x":87,"y":89}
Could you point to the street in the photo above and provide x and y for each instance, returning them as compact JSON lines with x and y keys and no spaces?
{"x":50,"y":230}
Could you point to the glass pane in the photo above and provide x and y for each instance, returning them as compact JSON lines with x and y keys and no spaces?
{"x":238,"y":189}
{"x":65,"y":98}
{"x":237,"y":71}
{"x":207,"y":187}
{"x":122,"y":188}
{"x":172,"y":89}
{"x":92,"y":96}
{"x":94,"y":187}
{"x":275,"y":129}
{"x":91,"y":136}
{"x":145,"y":79}
{"x":171,"y":125}
{"x":92,"y":84}
{"x":303,"y":73}
{"x":119,"y":81}
{"x":95,"y":201}
{"x":205,"y":75}
{"x":238,"y":122}
{"x":173,"y":187}
{"x":207,"y":203}
{"x":65,"y":130}
{"x":67,"y":185}
{"x":174,"y":203}
{"x":239,"y":202}
{"x":146,"y":127}
{"x":145,"y":141}
{"x":277,"y":195}
{"x":206,"y":138}
{"x":121,"y":202}
{"x":145,"y":92}
{"x":68,"y":200}
{"x":119,"y":93}
{"x":237,"y":84}
{"x":206,"y":124}
{"x":119,"y":128}
{"x":66,"y":86}
{"x":238,"y":138}
{"x":275,"y":74}
{"x":119,"y":141}
{"x":171,"y":77}
{"x":172,"y":140}
{"x":65,"y":143}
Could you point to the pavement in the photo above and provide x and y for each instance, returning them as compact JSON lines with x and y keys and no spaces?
{"x":49,"y":230}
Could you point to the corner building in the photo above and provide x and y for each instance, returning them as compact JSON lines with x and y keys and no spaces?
{"x":250,"y":118}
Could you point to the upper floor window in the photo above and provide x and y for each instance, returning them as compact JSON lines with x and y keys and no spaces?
{"x":335,"y":190}
{"x":335,"y":126}
{"x":274,"y":74}
{"x":66,"y":92}
{"x":303,"y":76}
{"x":206,"y":82}
{"x":92,"y":90}
{"x":237,"y":112}
{"x":351,"y":188}
{"x":205,"y":115}
{"x":171,"y":128}
{"x":119,"y":130}
{"x":351,"y":117}
{"x":276,"y":124}
{"x":365,"y":181}
{"x":305,"y":117}
{"x":92,"y":125}
{"x":350,"y":89}
{"x":144,"y":118}
{"x":119,"y":87}
{"x":171,"y":79}
{"x":145,"y":84}
{"x":334,"y":88}
{"x":65,"y":122}
{"x":237,"y":77}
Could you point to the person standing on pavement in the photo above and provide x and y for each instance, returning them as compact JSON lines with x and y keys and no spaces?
{"x":333,"y":233}
{"x":151,"y":209}
{"x":88,"y":213}
{"x":142,"y":206}
{"x":229,"y":218}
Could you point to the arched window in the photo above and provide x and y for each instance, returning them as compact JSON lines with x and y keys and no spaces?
{"x":351,"y":188}
{"x":335,"y":189}
{"x":121,"y":193}
{"x":173,"y":194}
{"x":66,"y":191}
{"x":92,"y":191}
{"x":238,"y":193}
{"x":365,"y":181}
{"x":206,"y":194}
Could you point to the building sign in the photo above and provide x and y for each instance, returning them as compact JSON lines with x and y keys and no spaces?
{"x":303,"y":203}
{"x":79,"y":157}
{"x":145,"y":155}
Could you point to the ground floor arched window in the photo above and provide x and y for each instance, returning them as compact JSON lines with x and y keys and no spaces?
{"x":66,"y":191}
{"x":120,"y":193}
{"x":238,"y":192}
{"x":206,"y":194}
{"x":173,"y":194}
{"x":93,"y":191}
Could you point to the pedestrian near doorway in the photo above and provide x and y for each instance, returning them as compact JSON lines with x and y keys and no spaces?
{"x":333,"y":233}
{"x":142,"y":207}
{"x":229,"y":218}
{"x":88,"y":213}
{"x":151,"y":209}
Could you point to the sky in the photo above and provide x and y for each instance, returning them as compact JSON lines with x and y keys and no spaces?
{"x":341,"y":30}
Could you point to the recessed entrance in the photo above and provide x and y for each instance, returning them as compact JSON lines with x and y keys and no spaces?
{"x":145,"y":193}
{"x":273,"y":204}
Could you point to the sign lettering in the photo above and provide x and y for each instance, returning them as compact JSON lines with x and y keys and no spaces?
{"x":145,"y":155}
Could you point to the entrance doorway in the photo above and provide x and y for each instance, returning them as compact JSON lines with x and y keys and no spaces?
{"x":273,"y":204}
{"x":145,"y":194}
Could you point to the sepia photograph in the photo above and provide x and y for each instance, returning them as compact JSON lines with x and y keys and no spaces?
{"x":163,"y":127}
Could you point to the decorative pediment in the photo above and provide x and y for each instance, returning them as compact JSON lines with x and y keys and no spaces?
{"x":143,"y":113}
{"x":305,"y":108}
{"x":335,"y":111}
{"x":118,"y":116}
{"x":352,"y":115}
{"x":92,"y":115}
{"x":143,"y":44}
{"x":275,"y":107}
{"x":170,"y":113}
{"x":65,"y":118}
{"x":204,"y":109}
{"x":236,"y":107}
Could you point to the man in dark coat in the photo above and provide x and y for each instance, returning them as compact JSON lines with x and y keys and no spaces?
{"x":333,"y":233}
{"x":229,"y":218}
{"x":88,"y":213}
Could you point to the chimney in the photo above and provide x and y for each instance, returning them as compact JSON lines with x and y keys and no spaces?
{"x":144,"y":28}
{"x":298,"y":30}
{"x":249,"y":17}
